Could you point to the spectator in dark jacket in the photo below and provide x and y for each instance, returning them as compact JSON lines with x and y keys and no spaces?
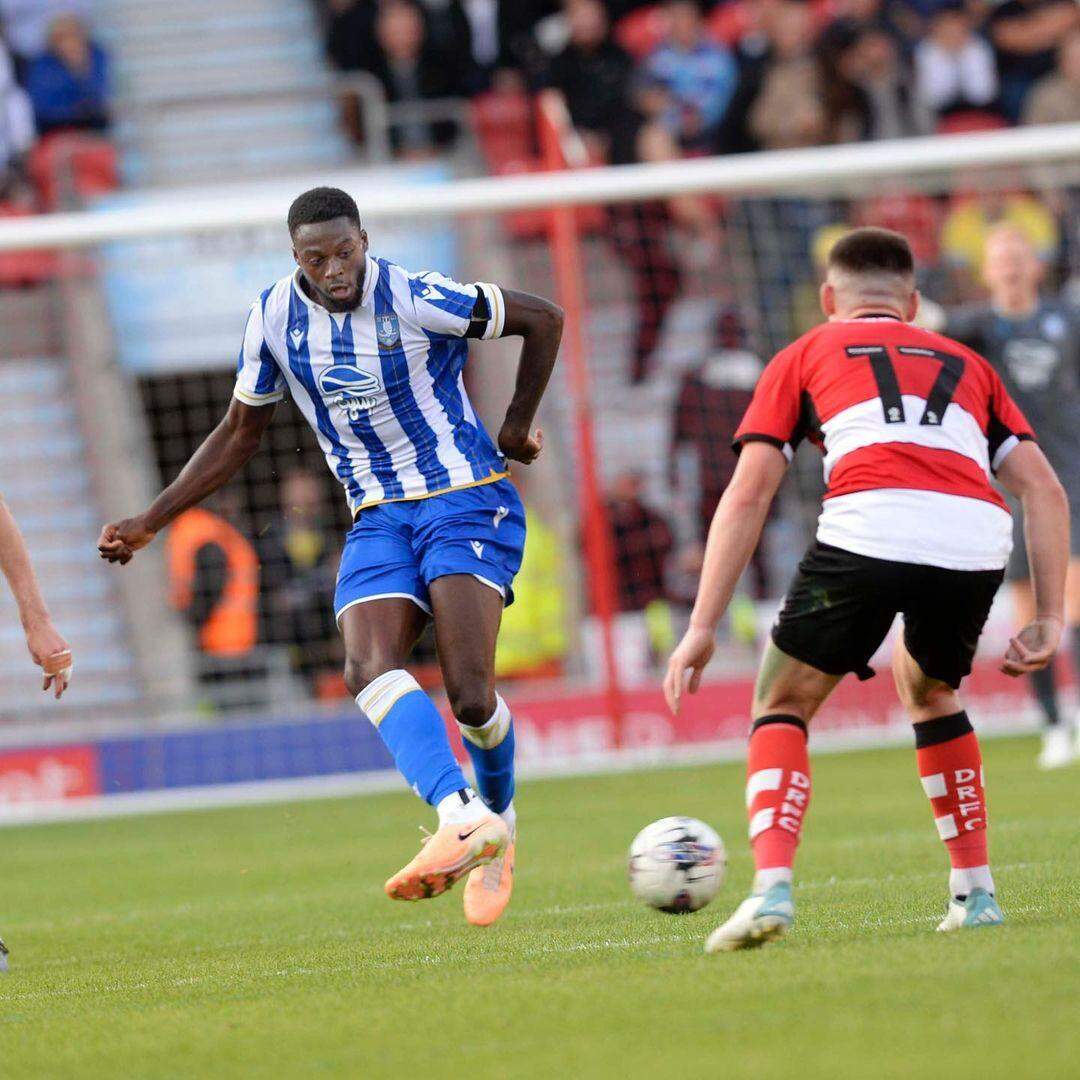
{"x":69,"y":83}
{"x":595,"y":77}
{"x":1025,"y":34}
{"x":412,"y":71}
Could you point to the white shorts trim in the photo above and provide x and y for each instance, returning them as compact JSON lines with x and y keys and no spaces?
{"x":382,"y":596}
{"x":500,"y":589}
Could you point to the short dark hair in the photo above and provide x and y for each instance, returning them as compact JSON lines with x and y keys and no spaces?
{"x":322,"y":204}
{"x":872,"y":251}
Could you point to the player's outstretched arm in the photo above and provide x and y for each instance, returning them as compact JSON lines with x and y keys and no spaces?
{"x":226,"y":450}
{"x":540,"y":323}
{"x":49,"y":650}
{"x":734,"y":533}
{"x":1027,"y":474}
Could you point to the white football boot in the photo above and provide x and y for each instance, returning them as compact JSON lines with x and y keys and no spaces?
{"x":1058,"y":747}
{"x":763,"y":917}
{"x":978,"y":908}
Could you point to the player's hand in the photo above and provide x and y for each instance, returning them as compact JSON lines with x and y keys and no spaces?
{"x":119,"y":542}
{"x":691,"y":654}
{"x":520,"y":445}
{"x":52,"y":654}
{"x":1033,"y":648}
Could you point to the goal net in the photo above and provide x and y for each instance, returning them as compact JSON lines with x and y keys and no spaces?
{"x":679,"y":282}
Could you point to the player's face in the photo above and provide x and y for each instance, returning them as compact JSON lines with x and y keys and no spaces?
{"x":1010,"y":263}
{"x":330,"y":255}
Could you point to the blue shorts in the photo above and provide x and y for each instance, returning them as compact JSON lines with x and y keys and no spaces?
{"x":400,"y":548}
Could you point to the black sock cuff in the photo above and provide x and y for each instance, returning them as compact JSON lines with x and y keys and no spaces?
{"x":942,"y":729}
{"x":779,"y":718}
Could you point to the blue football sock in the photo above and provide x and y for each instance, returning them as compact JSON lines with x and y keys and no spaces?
{"x":491,"y":748}
{"x":414,"y":733}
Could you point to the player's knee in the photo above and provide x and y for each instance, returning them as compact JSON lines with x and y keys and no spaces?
{"x":927,"y":698}
{"x":360,"y":671}
{"x":472,"y":703}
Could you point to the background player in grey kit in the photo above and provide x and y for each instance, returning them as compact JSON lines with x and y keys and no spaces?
{"x":1034,"y":343}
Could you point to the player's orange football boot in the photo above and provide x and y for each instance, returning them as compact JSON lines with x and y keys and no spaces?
{"x":487,"y":892}
{"x":449,"y":854}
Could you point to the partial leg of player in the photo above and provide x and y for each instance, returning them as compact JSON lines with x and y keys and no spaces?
{"x":467,"y":617}
{"x":379,"y":635}
{"x":787,"y":695}
{"x":951,"y":773}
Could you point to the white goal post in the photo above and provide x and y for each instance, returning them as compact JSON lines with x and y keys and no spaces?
{"x":781,"y":172}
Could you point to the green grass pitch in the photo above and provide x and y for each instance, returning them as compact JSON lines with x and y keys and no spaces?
{"x":257,"y":942}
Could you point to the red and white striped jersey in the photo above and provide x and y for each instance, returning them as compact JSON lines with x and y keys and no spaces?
{"x":911,"y":424}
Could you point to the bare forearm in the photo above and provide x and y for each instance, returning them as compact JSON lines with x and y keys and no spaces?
{"x":540,"y":323}
{"x":225,"y":451}
{"x":1046,"y":534}
{"x":733,"y":536}
{"x":17,"y":569}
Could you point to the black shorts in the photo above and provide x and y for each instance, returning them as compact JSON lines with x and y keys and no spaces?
{"x":840,"y":607}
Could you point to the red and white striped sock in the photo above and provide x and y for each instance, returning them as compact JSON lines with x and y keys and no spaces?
{"x":950,"y":768}
{"x":777,"y":795}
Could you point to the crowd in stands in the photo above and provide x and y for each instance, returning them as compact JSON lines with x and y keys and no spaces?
{"x":648,"y":80}
{"x":54,"y":81}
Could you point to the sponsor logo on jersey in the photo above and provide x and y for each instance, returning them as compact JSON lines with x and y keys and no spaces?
{"x":388,"y":331}
{"x":352,"y":389}
{"x":1032,"y":363}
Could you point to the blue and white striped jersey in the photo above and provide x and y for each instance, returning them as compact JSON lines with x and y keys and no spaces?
{"x":380,"y":385}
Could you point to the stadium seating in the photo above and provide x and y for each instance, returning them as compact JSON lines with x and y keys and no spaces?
{"x":45,"y":479}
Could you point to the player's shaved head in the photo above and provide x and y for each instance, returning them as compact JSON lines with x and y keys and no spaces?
{"x":870,"y":269}
{"x":321,"y":204}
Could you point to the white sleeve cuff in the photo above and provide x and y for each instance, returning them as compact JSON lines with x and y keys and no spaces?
{"x":249,"y":398}
{"x":1003,"y":451}
{"x":497,"y":307}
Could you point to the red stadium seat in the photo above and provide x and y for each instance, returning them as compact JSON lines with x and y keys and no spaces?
{"x":971,"y":120}
{"x":24,"y":268}
{"x":503,"y":123}
{"x":73,"y":165}
{"x":641,"y":31}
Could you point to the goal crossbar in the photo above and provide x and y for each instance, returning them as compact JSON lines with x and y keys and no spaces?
{"x":778,"y":171}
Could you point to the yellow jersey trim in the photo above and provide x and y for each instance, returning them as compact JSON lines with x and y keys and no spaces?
{"x":431,"y":494}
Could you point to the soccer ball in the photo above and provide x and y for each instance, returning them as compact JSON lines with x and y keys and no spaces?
{"x":677,"y":864}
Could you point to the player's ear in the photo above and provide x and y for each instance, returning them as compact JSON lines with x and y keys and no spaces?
{"x":912,"y":306}
{"x":363,"y":240}
{"x":827,"y":296}
{"x":296,"y":258}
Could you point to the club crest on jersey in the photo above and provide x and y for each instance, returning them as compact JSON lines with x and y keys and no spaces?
{"x":351,"y":389}
{"x":387,"y":331}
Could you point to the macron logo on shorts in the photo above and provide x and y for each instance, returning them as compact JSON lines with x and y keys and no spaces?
{"x":478,"y":548}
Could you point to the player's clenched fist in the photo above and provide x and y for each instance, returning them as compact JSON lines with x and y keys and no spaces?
{"x":1034,"y":647}
{"x":520,"y":445}
{"x":119,"y":542}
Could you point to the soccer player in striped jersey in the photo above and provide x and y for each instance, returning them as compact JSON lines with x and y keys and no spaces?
{"x":911,"y":425}
{"x":372,"y":355}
